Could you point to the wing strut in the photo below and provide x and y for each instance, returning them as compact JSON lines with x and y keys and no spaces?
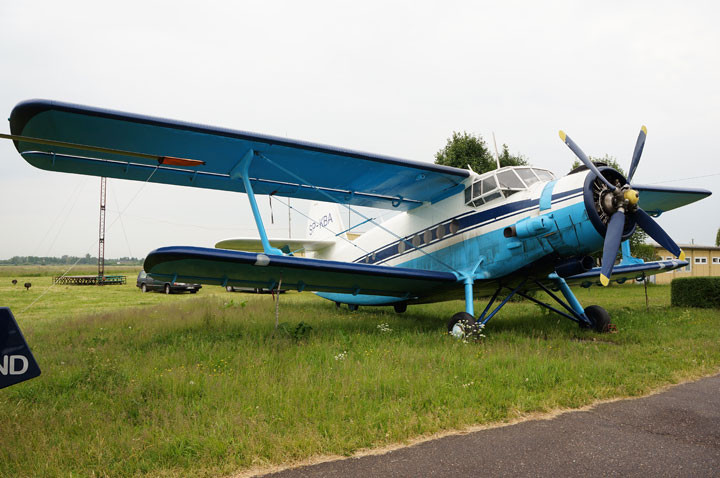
{"x":240,"y":170}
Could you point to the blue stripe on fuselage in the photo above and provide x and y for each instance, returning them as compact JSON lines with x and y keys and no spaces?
{"x":572,"y":238}
{"x":464,"y":222}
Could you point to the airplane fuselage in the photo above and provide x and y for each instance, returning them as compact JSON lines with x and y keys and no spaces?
{"x":546,"y":219}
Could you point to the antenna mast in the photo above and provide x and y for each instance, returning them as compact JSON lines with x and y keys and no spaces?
{"x":497,"y":155}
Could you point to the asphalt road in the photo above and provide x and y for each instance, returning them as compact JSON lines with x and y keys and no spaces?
{"x":673,"y":433}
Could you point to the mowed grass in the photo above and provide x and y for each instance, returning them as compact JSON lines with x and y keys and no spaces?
{"x":146,"y":384}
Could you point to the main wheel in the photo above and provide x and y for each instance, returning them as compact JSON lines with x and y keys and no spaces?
{"x":599,"y":317}
{"x":458,"y":323}
{"x":229,"y":288}
{"x":143,"y":287}
{"x":400,"y":308}
{"x":353,"y":307}
{"x":167,"y":288}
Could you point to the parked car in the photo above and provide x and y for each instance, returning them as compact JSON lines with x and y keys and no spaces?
{"x":146,"y":283}
{"x":251,"y":290}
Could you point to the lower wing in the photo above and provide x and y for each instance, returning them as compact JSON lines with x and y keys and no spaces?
{"x":249,"y":269}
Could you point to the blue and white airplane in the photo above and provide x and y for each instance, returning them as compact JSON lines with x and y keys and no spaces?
{"x":458,"y":235}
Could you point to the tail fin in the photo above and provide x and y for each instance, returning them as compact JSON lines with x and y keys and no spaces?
{"x":325,"y":221}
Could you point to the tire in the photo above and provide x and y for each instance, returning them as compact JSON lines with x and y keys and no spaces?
{"x":337,"y":305}
{"x":143,"y":288}
{"x":229,"y":288}
{"x":193,"y":291}
{"x":599,"y":317}
{"x":353,"y":307}
{"x":400,"y":308}
{"x":459,"y":320}
{"x":167,"y":288}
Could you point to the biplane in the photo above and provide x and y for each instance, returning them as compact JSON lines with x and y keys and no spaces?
{"x":457,"y":234}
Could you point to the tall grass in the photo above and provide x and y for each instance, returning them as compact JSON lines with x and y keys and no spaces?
{"x":186,"y":385}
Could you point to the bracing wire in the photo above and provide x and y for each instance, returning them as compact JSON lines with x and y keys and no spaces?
{"x":337,"y":234}
{"x":93,"y":244}
{"x":324,"y":193}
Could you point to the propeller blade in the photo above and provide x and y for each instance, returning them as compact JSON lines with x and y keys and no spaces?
{"x":654,"y":230}
{"x":613,"y":237}
{"x":583,"y":157}
{"x":639,"y":145}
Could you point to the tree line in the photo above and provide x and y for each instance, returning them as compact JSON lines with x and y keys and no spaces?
{"x":65,"y":260}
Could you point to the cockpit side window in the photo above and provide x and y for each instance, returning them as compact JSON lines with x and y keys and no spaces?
{"x":509,"y":180}
{"x":527,"y":175}
{"x":543,"y":175}
{"x":503,"y":183}
{"x":488,"y":184}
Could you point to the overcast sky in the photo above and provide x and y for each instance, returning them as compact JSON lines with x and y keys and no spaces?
{"x":387,"y":77}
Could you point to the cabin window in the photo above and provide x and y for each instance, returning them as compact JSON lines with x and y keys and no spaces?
{"x":454,"y":226}
{"x":440,"y":231}
{"x":416,"y":240}
{"x":401,"y":246}
{"x":427,"y":236}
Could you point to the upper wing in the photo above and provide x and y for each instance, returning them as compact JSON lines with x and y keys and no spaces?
{"x":656,"y":200}
{"x":253,"y":244}
{"x":247,"y":269}
{"x":279,"y":166}
{"x":621,"y":273}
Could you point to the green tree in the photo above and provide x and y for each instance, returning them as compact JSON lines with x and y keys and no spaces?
{"x":463,"y":149}
{"x":717,"y":238}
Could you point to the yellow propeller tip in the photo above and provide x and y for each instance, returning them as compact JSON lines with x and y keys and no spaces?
{"x":682,"y":255}
{"x":644,"y":129}
{"x":562,"y":135}
{"x":604,"y":280}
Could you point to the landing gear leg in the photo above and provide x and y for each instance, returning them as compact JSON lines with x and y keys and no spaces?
{"x":484,"y":317}
{"x":594,"y":316}
{"x":463,"y":320}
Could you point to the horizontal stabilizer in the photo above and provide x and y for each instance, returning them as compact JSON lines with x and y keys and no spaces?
{"x":17,"y":363}
{"x":247,"y":269}
{"x":656,"y":200}
{"x":253,"y":244}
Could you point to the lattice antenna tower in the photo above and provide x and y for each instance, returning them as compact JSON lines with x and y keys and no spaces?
{"x":101,"y":238}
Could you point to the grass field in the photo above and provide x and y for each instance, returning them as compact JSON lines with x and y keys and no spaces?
{"x":146,"y":384}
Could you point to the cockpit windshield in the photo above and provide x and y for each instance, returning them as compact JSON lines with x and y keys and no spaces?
{"x":502,"y":183}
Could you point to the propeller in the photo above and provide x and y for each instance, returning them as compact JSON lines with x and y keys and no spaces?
{"x":620,"y":201}
{"x":585,"y":160}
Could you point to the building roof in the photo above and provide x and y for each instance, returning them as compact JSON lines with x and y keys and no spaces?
{"x":689,"y":246}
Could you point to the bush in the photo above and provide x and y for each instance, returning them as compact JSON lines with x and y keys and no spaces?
{"x":695,"y":292}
